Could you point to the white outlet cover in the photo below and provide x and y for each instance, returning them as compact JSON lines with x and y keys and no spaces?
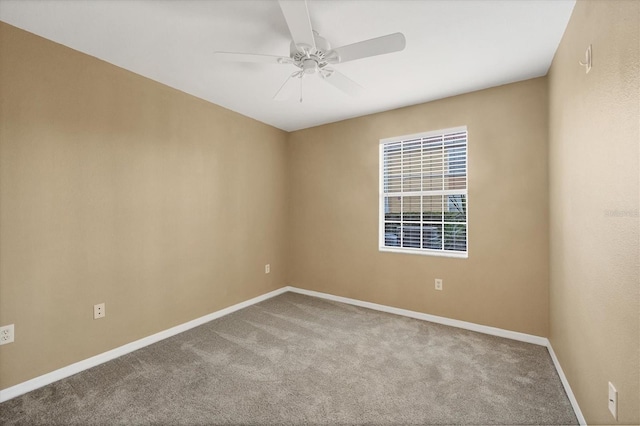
{"x":438,"y":284}
{"x":267,"y":268}
{"x":99,"y":311}
{"x":7,"y":334}
{"x":613,"y":401}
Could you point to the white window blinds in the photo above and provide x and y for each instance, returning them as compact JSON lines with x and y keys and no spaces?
{"x":423,"y":193}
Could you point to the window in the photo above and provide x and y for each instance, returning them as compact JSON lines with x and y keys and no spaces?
{"x":423,"y":193}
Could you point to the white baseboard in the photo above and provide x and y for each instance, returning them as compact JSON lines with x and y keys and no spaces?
{"x":514,"y":335}
{"x":567,"y":387}
{"x":45,"y":379}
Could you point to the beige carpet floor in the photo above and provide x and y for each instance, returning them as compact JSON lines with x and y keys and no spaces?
{"x":295,"y":359}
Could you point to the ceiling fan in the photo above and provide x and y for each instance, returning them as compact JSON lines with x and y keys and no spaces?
{"x":312,"y":53}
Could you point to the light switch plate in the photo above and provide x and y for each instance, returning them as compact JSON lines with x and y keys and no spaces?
{"x":613,"y":401}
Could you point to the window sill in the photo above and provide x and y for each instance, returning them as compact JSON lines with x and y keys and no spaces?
{"x":458,"y":255}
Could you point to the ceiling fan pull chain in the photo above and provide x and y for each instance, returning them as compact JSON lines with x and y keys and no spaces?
{"x":300,"y":88}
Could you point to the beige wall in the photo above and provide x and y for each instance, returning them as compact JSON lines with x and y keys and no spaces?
{"x":594,"y":198}
{"x":333,"y":204}
{"x":117,"y":189}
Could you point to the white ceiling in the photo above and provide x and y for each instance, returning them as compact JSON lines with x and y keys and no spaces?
{"x":453,"y":47}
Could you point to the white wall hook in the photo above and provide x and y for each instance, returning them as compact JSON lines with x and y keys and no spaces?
{"x":587,"y":60}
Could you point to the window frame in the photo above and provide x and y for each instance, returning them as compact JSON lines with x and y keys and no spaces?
{"x":382,"y":198}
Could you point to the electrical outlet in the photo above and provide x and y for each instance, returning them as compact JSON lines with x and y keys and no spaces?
{"x":6,"y":334}
{"x":613,"y":401}
{"x":99,"y":311}
{"x":267,"y":268}
{"x":438,"y":284}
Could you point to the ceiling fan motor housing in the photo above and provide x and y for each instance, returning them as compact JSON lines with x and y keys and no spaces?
{"x":310,"y":59}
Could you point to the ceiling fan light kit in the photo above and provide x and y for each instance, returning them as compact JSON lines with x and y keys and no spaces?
{"x":312,"y":54}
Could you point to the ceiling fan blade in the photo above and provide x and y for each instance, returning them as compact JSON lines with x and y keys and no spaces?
{"x":372,"y":47}
{"x":341,"y":81}
{"x":251,"y":57}
{"x":296,"y":14}
{"x":288,"y":88}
